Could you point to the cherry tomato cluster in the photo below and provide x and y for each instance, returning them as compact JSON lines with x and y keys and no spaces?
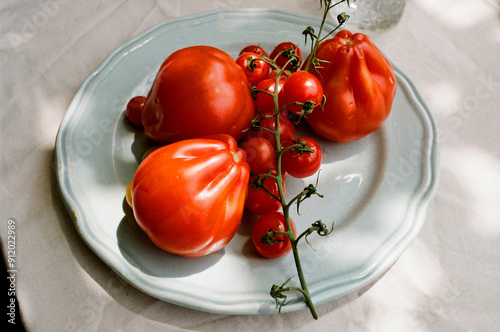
{"x":249,"y":166}
{"x":299,"y":92}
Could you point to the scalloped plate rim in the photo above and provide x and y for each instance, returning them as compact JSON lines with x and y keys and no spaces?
{"x":232,"y":306}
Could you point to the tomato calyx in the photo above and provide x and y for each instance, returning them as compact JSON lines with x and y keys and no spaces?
{"x":317,"y":39}
{"x":293,"y":61}
{"x":254,"y":66}
{"x":278,"y":294}
{"x":252,"y":62}
{"x":258,"y":183}
{"x":255,"y":123}
{"x":319,"y":227}
{"x":306,"y":108}
{"x":312,"y":60}
{"x":303,"y":159}
{"x":299,"y":145}
{"x":273,"y":236}
{"x":287,"y":55}
{"x":343,"y":17}
{"x":308,"y":192}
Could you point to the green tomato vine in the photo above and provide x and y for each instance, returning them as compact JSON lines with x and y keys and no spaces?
{"x":281,"y":292}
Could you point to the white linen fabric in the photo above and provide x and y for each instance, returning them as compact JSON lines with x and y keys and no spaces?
{"x":447,"y":280}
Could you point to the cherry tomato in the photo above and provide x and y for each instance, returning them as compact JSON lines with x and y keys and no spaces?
{"x":287,"y":129}
{"x":302,"y":87}
{"x":189,"y":196}
{"x":268,"y":222}
{"x":283,"y":76}
{"x":285,"y":51}
{"x":255,"y":70}
{"x":260,"y":155}
{"x":263,"y":101}
{"x":254,"y":49}
{"x":259,"y":201}
{"x":134,"y":109}
{"x":198,"y":91}
{"x":301,"y":165}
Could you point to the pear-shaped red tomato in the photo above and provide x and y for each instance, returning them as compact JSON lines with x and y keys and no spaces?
{"x":198,"y":91}
{"x":189,"y":196}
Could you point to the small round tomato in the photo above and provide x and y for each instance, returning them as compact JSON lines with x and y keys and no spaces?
{"x":267,"y":243}
{"x":301,"y":165}
{"x":283,"y":75}
{"x":260,"y":202}
{"x":260,"y":155}
{"x":254,"y":67}
{"x":254,"y":49}
{"x":284,"y":52}
{"x":287,"y":129}
{"x":263,"y":101}
{"x":134,"y":109}
{"x":302,"y":87}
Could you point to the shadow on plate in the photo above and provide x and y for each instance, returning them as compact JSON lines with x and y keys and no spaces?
{"x":136,"y":247}
{"x":333,"y":151}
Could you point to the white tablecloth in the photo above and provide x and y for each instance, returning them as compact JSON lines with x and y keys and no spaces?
{"x":447,"y":280}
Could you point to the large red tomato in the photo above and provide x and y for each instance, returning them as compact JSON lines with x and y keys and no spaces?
{"x":198,"y":91}
{"x":189,"y":196}
{"x":359,"y":85}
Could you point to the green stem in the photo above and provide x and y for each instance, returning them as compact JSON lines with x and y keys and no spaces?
{"x":298,"y":265}
{"x":318,"y":40}
{"x":303,"y":284}
{"x":262,"y":186}
{"x":286,"y":207}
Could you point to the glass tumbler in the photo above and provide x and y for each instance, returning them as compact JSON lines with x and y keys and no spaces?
{"x":372,"y":14}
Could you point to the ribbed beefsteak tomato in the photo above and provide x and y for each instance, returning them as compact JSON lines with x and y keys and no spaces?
{"x":359,"y":85}
{"x":189,"y":196}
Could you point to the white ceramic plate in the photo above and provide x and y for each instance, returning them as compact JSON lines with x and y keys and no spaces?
{"x":377,"y":190}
